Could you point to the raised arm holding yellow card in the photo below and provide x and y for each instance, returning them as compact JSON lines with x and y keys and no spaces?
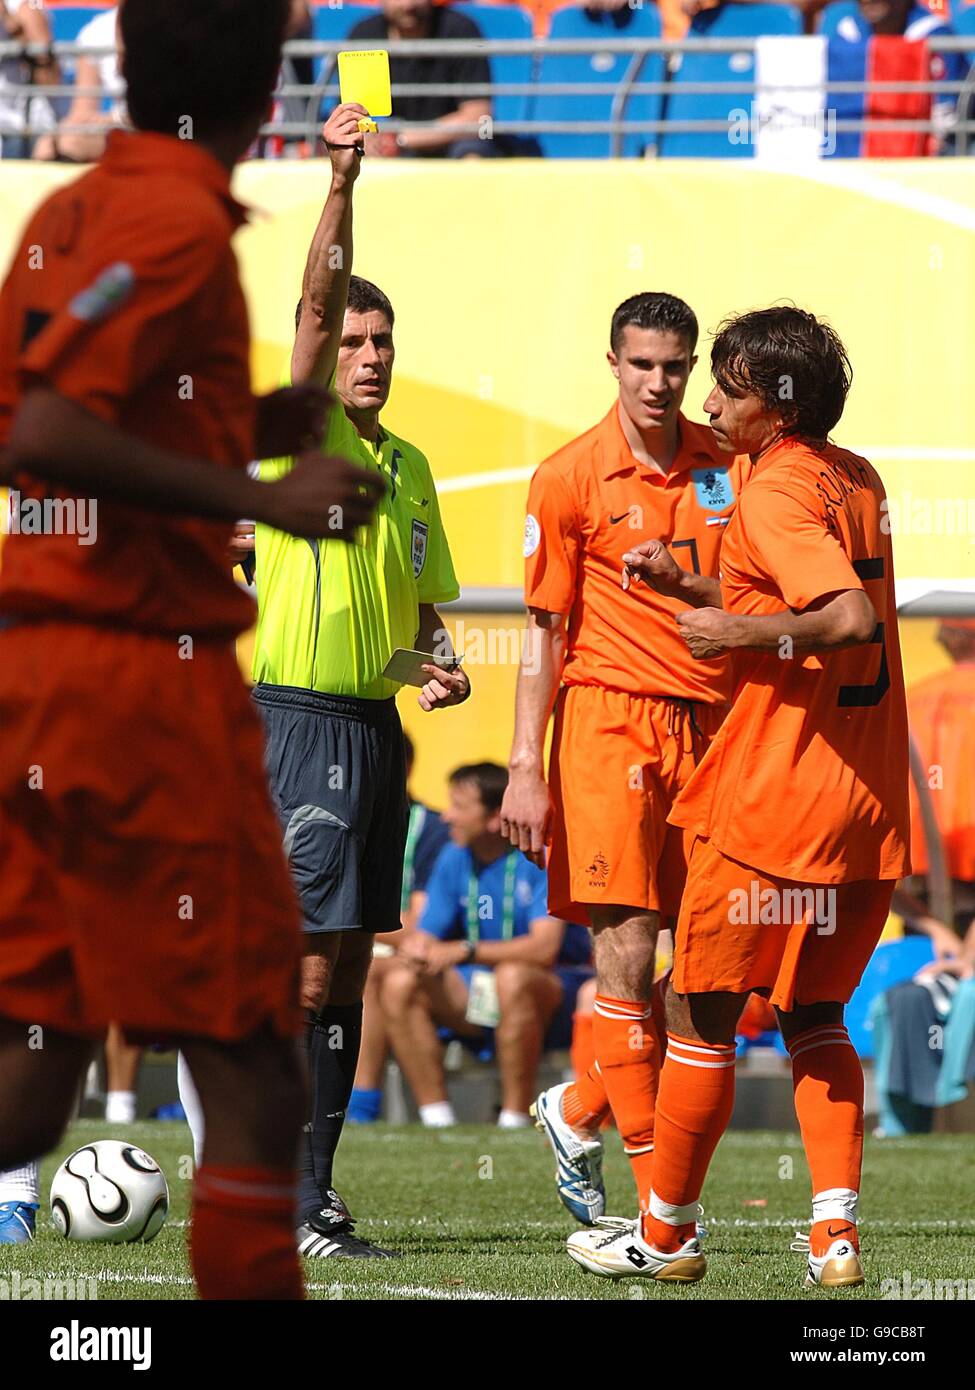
{"x":364,"y":81}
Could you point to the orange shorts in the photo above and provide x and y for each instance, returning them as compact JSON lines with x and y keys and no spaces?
{"x":142,"y":878}
{"x":618,"y":761}
{"x":742,"y":930}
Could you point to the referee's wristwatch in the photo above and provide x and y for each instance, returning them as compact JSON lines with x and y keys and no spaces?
{"x":471,"y":951}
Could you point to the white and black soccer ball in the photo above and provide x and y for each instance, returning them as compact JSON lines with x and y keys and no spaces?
{"x":109,"y":1190}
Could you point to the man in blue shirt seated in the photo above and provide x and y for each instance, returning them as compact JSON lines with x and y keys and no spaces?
{"x":486,"y":955}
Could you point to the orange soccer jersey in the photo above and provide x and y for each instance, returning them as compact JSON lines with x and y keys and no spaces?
{"x":143,"y":877}
{"x":591,"y":502}
{"x":807,"y":777}
{"x":942,"y":719}
{"x":124,"y":296}
{"x":636,"y":711}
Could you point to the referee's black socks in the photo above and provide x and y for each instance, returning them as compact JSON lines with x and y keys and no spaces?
{"x":333,"y":1036}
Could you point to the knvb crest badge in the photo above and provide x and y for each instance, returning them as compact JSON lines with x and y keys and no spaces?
{"x":420,"y":530}
{"x":713,"y":488}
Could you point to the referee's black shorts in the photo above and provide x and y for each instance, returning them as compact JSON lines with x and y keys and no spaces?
{"x":337,"y":769}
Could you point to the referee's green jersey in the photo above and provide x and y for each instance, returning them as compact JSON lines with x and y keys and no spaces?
{"x":330,"y":613}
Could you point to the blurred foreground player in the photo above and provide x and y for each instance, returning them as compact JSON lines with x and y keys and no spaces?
{"x":143,"y":880}
{"x":799,"y":809}
{"x":633,"y":704}
{"x":329,"y":618}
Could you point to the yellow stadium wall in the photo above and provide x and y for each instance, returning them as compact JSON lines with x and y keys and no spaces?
{"x":504,"y":277}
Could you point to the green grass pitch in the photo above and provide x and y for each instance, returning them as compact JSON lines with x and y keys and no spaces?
{"x":474,"y":1214}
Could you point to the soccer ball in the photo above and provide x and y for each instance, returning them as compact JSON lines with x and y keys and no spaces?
{"x":109,"y":1190}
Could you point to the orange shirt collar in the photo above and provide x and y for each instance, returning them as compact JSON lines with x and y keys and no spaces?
{"x":776,"y":450}
{"x":144,"y":153}
{"x":620,"y":458}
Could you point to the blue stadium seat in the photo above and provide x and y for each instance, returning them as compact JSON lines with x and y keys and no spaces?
{"x":728,"y":21}
{"x":329,"y":23}
{"x":67,"y":21}
{"x":505,"y":22}
{"x":832,"y":15}
{"x":963,"y":22}
{"x":637,"y":23}
{"x":891,"y":963}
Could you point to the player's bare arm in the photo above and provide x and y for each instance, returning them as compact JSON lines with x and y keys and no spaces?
{"x":445,"y":687}
{"x":652,"y":562}
{"x":55,"y":439}
{"x":846,"y":619}
{"x":325,"y":284}
{"x":290,"y":420}
{"x":526,"y":810}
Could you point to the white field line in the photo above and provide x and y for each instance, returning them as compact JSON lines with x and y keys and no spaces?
{"x":111,"y":1276}
{"x":887,"y":190}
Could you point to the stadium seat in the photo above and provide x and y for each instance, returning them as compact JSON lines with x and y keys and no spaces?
{"x":601,"y":67}
{"x":728,"y":21}
{"x":67,"y":21}
{"x":891,"y":963}
{"x":833,"y":15}
{"x":329,"y":23}
{"x":963,"y":22}
{"x":505,"y":22}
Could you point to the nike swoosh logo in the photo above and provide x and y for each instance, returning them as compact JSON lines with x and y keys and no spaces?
{"x":832,"y":1234}
{"x":615,"y":519}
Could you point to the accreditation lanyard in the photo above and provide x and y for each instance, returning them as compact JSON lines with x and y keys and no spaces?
{"x":508,"y":902}
{"x":418,"y":816}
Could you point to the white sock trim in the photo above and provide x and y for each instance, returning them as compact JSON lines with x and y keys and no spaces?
{"x":669,"y":1214}
{"x":120,"y":1107}
{"x":821,"y":1042}
{"x":189,"y":1098}
{"x":719,"y":1050}
{"x":693,"y":1062}
{"x":21,"y":1184}
{"x":514,"y":1119}
{"x":836,"y":1204}
{"x":437,"y":1114}
{"x":633,"y":1014}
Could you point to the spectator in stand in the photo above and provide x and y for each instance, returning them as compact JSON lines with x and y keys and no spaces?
{"x":294,"y":72}
{"x":487,"y":956}
{"x":941,"y":711}
{"x":915,"y":22}
{"x":441,"y":115}
{"x":92,"y":70}
{"x":20,"y":107}
{"x":687,"y":9}
{"x":425,"y":838}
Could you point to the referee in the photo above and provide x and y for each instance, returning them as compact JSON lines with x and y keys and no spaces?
{"x":330,"y":615}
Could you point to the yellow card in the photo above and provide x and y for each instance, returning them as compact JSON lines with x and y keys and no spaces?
{"x":364,"y":78}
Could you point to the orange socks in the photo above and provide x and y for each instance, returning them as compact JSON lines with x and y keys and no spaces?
{"x":584,"y":1103}
{"x":828,"y":1080}
{"x":583,"y":1051}
{"x":629,"y":1068}
{"x":242,"y":1240}
{"x":697,"y":1092}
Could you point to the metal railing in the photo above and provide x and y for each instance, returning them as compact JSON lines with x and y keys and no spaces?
{"x":317,"y":95}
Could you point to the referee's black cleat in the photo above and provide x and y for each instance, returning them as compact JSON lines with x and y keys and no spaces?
{"x":329,"y":1233}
